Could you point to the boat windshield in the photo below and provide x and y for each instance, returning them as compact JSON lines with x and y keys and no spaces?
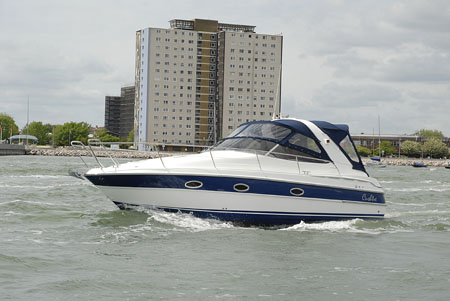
{"x":237,"y":131}
{"x":265,"y":130}
{"x":268,"y":148}
{"x":304,"y":142}
{"x":348,"y":147}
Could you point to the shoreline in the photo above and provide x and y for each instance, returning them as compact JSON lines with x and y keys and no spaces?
{"x":410,"y":161}
{"x":119,"y":154}
{"x":127,"y":154}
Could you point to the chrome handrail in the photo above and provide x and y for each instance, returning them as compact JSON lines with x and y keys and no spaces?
{"x":298,"y":158}
{"x":93,"y":142}
{"x":79,"y":145}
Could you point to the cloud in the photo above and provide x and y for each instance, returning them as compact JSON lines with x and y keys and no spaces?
{"x":416,"y":63}
{"x":350,"y":96}
{"x":61,"y":88}
{"x":402,"y":111}
{"x":406,"y":63}
{"x":421,"y":17}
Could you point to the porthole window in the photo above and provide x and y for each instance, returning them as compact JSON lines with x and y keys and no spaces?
{"x":297,"y":191}
{"x":240,"y":187}
{"x":193,"y":184}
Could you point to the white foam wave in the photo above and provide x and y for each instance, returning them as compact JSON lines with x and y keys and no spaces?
{"x":127,"y":234}
{"x":177,"y":221}
{"x":10,"y":202}
{"x":42,"y":186}
{"x":27,"y":202}
{"x":351,"y":226}
{"x":429,"y":182}
{"x":331,"y":226}
{"x":418,"y":213}
{"x":416,"y":189}
{"x":404,"y":189}
{"x":440,"y":189}
{"x":410,"y":204}
{"x":11,"y":213}
{"x":36,"y":176}
{"x":187,"y":221}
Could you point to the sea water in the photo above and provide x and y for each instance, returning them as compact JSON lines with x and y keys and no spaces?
{"x":60,"y":238}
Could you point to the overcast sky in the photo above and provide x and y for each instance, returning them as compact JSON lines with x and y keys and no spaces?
{"x":343,"y":61}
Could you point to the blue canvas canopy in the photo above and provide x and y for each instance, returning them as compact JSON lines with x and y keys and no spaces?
{"x":337,"y":133}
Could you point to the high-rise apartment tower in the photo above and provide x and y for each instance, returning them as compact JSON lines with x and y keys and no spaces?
{"x":197,"y":81}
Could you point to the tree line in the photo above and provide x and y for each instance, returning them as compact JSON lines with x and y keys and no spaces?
{"x":432,"y":147}
{"x":61,"y":135}
{"x":56,"y":135}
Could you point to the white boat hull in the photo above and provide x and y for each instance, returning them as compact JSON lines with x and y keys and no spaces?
{"x":266,"y":202}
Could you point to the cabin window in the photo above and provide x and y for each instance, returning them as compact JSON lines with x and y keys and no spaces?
{"x":297,"y":191}
{"x":347,"y":145}
{"x":287,"y":153}
{"x":304,"y":142}
{"x":193,"y":184}
{"x":241,"y":187}
{"x":265,"y":130}
{"x":246,"y":143}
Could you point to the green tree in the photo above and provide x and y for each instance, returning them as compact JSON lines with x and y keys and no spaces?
{"x":130,"y":137}
{"x":40,"y":131}
{"x":429,"y":133}
{"x":363,"y":151}
{"x":435,"y":148}
{"x":387,"y":147}
{"x":411,"y":148}
{"x":71,"y":131}
{"x":104,"y":136}
{"x":8,"y":126}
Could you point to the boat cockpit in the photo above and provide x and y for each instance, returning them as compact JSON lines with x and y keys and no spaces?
{"x":289,"y":140}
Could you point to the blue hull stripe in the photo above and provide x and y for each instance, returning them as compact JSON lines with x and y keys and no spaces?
{"x":259,"y":218}
{"x":264,"y":187}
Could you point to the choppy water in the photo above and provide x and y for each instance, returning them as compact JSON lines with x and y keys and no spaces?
{"x":60,"y":238}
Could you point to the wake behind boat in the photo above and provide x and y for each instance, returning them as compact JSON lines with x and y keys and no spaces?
{"x":277,"y":172}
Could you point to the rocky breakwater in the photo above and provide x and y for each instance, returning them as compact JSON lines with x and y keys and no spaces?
{"x":70,"y":152}
{"x":410,"y":162}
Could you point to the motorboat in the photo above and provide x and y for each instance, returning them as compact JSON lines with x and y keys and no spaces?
{"x":419,"y":164}
{"x":277,"y":172}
